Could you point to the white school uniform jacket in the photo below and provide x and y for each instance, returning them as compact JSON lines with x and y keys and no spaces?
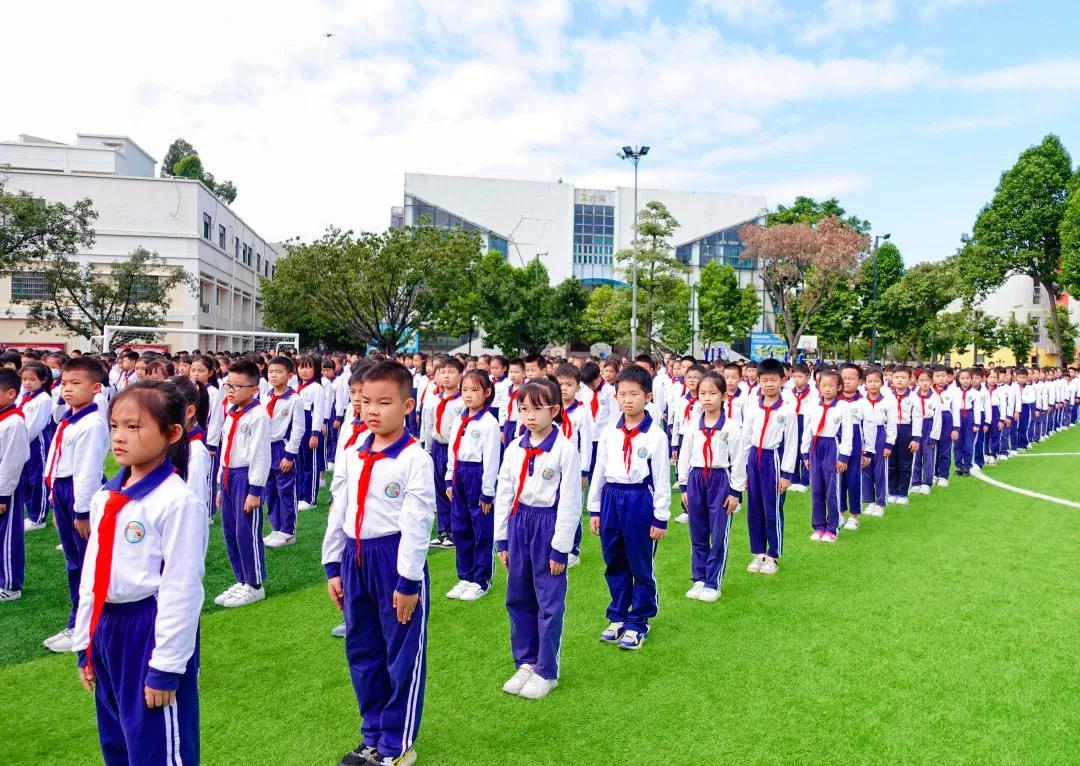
{"x":14,"y":452}
{"x":287,"y":422}
{"x":264,"y":388}
{"x":481,"y":442}
{"x":658,"y":406}
{"x":733,"y":405}
{"x":329,"y":400}
{"x":200,"y":469}
{"x":312,"y":395}
{"x":502,"y":395}
{"x":159,"y":550}
{"x":216,"y":417}
{"x":907,"y":412}
{"x":355,"y":422}
{"x":836,"y":424}
{"x":779,"y":432}
{"x":802,"y":399}
{"x":250,"y":434}
{"x":85,"y":441}
{"x":999,"y":397}
{"x":602,"y":407}
{"x":341,"y":394}
{"x":577,"y":426}
{"x":554,"y":479}
{"x":862,"y":418}
{"x":970,"y":401}
{"x":37,"y":411}
{"x":722,"y":444}
{"x":436,"y":429}
{"x":929,"y":406}
{"x":124,"y":378}
{"x":400,"y":499}
{"x":649,"y":462}
{"x":682,"y":412}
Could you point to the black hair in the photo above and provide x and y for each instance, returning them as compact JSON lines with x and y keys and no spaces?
{"x":9,"y":379}
{"x":501,"y":360}
{"x":874,"y":371}
{"x":42,"y":372}
{"x":768,"y":367}
{"x":484,"y":381}
{"x":283,"y":361}
{"x":536,"y":359}
{"x":590,"y":371}
{"x":14,"y":357}
{"x":800,"y":368}
{"x":129,"y":354}
{"x":314,"y":362}
{"x":517,"y":361}
{"x":211,"y":366}
{"x":902,"y":368}
{"x":391,"y":372}
{"x":454,"y":362}
{"x":635,"y":374}
{"x":86,"y":364}
{"x":717,"y":380}
{"x":167,"y":406}
{"x":695,"y":367}
{"x":568,"y":371}
{"x":542,"y":392}
{"x":357,"y":374}
{"x":647,"y":360}
{"x":194,"y":394}
{"x":850,"y":366}
{"x":246,"y":368}
{"x":829,"y":373}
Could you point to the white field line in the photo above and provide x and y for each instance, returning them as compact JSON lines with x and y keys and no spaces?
{"x":1038,"y":495}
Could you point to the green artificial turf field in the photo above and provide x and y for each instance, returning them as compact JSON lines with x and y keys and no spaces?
{"x":946,"y":632}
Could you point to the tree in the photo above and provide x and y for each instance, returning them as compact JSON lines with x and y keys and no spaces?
{"x":980,"y":332}
{"x":183,"y":161}
{"x":84,"y":299}
{"x":907,"y":312}
{"x":941,"y":335}
{"x":726,"y":312}
{"x":834,"y":322}
{"x":1068,"y":336}
{"x":802,"y":265}
{"x":607,"y":316}
{"x":1018,"y":337}
{"x":521,"y":312}
{"x":32,"y":230}
{"x":1069,"y":230}
{"x":381,"y":287}
{"x":809,"y":211}
{"x":1019,"y":230}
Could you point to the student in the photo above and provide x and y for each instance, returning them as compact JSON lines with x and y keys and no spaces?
{"x":826,"y":450}
{"x":600,"y":404}
{"x":509,"y":418}
{"x":311,"y":392}
{"x":770,"y":428}
{"x":374,"y":552}
{"x":629,"y":508}
{"x":908,"y":435}
{"x":14,"y":456}
{"x":800,"y":392}
{"x":863,"y":442}
{"x":73,"y":473}
{"x":945,"y":392}
{"x":200,"y":479}
{"x":288,"y":426}
{"x":537,"y":510}
{"x":126,"y":374}
{"x":881,"y":420}
{"x":137,"y":629}
{"x":500,"y":367}
{"x":203,"y":370}
{"x":980,"y":406}
{"x":472,"y":468}
{"x":995,"y":418}
{"x":657,"y":405}
{"x":577,"y":426}
{"x":330,"y":402}
{"x":967,"y":421}
{"x":535,"y":366}
{"x":734,"y":398}
{"x":245,"y":466}
{"x":436,"y":422}
{"x":712,"y":477}
{"x":1026,"y":399}
{"x":36,"y":407}
{"x":929,"y":413}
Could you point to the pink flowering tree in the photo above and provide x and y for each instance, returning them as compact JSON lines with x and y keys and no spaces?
{"x":802,"y":266}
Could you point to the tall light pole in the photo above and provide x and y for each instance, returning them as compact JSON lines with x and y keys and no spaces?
{"x":634,"y":154}
{"x":873,"y":326}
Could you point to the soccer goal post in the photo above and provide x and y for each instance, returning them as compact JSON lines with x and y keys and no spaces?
{"x":204,"y":340}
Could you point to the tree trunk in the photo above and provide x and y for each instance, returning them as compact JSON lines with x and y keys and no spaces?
{"x":1055,"y":320}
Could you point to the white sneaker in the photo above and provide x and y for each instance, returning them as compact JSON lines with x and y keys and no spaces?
{"x":708,"y":595}
{"x":61,"y":642}
{"x":990,"y":459}
{"x":280,"y":540}
{"x":517,"y":681}
{"x":29,"y":525}
{"x":612,"y":633}
{"x":458,"y":589}
{"x":926,"y":489}
{"x":59,"y":547}
{"x":768,"y":566}
{"x":9,"y":595}
{"x":816,"y":536}
{"x":572,"y":560}
{"x":976,"y":469}
{"x":473,"y":593}
{"x":851,"y":523}
{"x":682,"y":518}
{"x":901,"y":500}
{"x":943,"y":482}
{"x":338,"y":631}
{"x":48,"y":641}
{"x":304,"y":505}
{"x":329,"y":466}
{"x":797,"y":488}
{"x":244,"y":596}
{"x":754,"y":566}
{"x":222,"y":598}
{"x":695,"y":590}
{"x":1013,"y":452}
{"x":267,"y":539}
{"x":537,"y":687}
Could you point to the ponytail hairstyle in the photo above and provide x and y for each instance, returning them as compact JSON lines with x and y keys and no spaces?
{"x":43,"y":373}
{"x":163,"y":402}
{"x":211,"y":366}
{"x":542,"y":392}
{"x":481,"y":378}
{"x":195,"y":395}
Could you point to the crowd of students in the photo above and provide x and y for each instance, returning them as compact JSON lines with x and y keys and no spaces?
{"x":494,"y":458}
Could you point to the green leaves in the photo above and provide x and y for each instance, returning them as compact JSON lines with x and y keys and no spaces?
{"x":33,"y":230}
{"x":726,"y":311}
{"x":1018,"y":337}
{"x":183,"y":161}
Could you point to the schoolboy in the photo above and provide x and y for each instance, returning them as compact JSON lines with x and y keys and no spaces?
{"x":600,"y":404}
{"x":375,"y":556}
{"x":629,"y":508}
{"x":908,"y":435}
{"x":14,"y":453}
{"x":967,"y":421}
{"x":800,"y":391}
{"x":929,"y":406}
{"x":945,"y":392}
{"x":436,"y":424}
{"x":286,"y":412}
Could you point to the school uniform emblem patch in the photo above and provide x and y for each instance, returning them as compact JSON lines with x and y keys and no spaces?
{"x":134,"y":532}
{"x":548,"y":474}
{"x":642,"y":452}
{"x":393,"y":490}
{"x":245,"y":428}
{"x":780,"y":419}
{"x":474,"y":433}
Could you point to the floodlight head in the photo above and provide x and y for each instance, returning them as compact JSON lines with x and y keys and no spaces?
{"x":643,"y":151}
{"x":887,"y":236}
{"x":628,"y":150}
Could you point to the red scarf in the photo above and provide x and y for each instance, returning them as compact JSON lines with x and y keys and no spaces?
{"x":595,"y":406}
{"x":369,"y":459}
{"x":442,"y":408}
{"x":821,"y":423}
{"x":103,"y":564}
{"x":628,"y":445}
{"x":526,"y":464}
{"x":567,"y":426}
{"x":274,"y":400}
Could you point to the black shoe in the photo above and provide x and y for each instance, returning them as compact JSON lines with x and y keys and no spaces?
{"x":446,"y":540}
{"x":361,"y":756}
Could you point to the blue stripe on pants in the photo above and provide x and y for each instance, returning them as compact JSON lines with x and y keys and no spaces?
{"x":876,"y":475}
{"x":474,"y":530}
{"x":535,"y":598}
{"x":944,"y":453}
{"x":387,"y":660}
{"x":626,"y":514}
{"x":129,"y":731}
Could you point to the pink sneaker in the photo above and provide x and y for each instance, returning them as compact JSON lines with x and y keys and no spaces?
{"x":828,"y":537}
{"x":817,"y":535}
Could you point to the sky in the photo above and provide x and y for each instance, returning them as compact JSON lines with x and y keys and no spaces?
{"x":907,"y":111}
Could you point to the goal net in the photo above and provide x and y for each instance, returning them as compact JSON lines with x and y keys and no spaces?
{"x":174,"y":339}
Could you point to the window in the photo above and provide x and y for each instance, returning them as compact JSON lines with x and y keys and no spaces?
{"x":1036,"y":294}
{"x":29,"y":285}
{"x":258,"y":262}
{"x":221,"y":236}
{"x":145,"y":287}
{"x":236,"y":247}
{"x":206,"y":226}
{"x":594,"y":234}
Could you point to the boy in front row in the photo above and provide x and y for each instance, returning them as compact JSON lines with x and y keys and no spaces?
{"x":629,"y":508}
{"x":374,"y":552}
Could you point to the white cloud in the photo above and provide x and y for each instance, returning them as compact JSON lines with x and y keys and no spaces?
{"x":743,"y":11}
{"x":785,"y":192}
{"x":929,"y":9}
{"x":847,"y":16}
{"x":1055,"y":75}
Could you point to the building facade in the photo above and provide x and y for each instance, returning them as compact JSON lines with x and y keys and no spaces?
{"x":577,"y":231}
{"x":178,"y":218}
